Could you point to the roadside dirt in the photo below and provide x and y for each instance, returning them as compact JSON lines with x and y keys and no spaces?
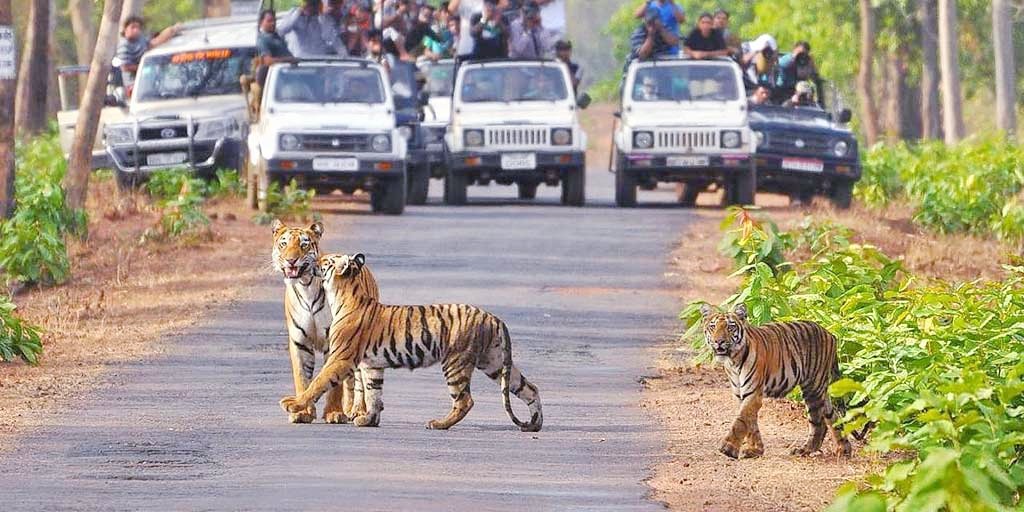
{"x":694,"y":403}
{"x":122,"y":298}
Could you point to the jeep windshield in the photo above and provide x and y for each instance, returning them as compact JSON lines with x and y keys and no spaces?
{"x":192,"y":74}
{"x":807,"y":116}
{"x":507,"y":84}
{"x":688,"y":82}
{"x":328,"y":84}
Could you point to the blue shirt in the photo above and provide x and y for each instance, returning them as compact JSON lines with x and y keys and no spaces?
{"x":668,"y":17}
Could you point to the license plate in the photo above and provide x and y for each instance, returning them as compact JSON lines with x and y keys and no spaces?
{"x":518,"y":161}
{"x":335,"y":164}
{"x":687,"y":161}
{"x":803,"y":164}
{"x":166,"y":158}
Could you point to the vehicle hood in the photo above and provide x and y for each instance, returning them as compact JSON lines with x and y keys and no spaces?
{"x":799,"y":126}
{"x":685,"y":116}
{"x":202,"y":107}
{"x":439,"y":110}
{"x":545,"y":114}
{"x":336,"y":120}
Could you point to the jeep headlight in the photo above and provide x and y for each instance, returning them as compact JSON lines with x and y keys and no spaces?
{"x":731,"y":139}
{"x":119,"y":133}
{"x":561,"y":136}
{"x":217,"y":129}
{"x":759,"y":137}
{"x":380,"y":143}
{"x":643,"y":140}
{"x":840,"y":148}
{"x":289,"y":142}
{"x":473,"y":137}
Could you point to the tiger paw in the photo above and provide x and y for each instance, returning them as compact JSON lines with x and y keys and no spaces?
{"x":366,"y":421}
{"x":306,"y":416}
{"x":436,"y":425}
{"x":729,"y":450}
{"x":751,"y":452}
{"x":336,"y":417}
{"x":293,"y":405}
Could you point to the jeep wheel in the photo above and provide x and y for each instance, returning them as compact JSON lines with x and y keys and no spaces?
{"x":419,"y":184}
{"x":574,"y":187}
{"x":842,"y":194}
{"x":127,"y":182}
{"x":455,"y":189}
{"x":688,"y":192}
{"x":389,"y":197}
{"x":625,"y":187}
{"x":744,"y":186}
{"x":527,"y":190}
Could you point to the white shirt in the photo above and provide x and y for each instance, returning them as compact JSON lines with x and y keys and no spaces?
{"x":467,"y":8}
{"x":552,"y":16}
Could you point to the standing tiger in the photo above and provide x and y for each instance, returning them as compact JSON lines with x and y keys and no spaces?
{"x":308,"y":319}
{"x":379,"y":336}
{"x":772,"y":360}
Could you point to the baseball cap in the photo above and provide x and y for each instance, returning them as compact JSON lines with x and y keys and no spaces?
{"x":804,"y":87}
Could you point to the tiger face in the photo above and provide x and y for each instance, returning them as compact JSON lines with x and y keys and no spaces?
{"x":296,"y":250}
{"x":336,"y":269}
{"x":723,"y":331}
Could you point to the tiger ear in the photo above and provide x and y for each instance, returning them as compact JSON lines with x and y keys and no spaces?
{"x":317,"y":228}
{"x":741,"y":311}
{"x":360,"y":260}
{"x":706,"y":310}
{"x":276,"y":226}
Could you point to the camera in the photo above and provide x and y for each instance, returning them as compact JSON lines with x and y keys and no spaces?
{"x":803,"y":59}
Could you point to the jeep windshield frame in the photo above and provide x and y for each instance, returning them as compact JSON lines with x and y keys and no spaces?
{"x":328,"y":84}
{"x":805,"y":116}
{"x":514,"y":83}
{"x":192,"y":74}
{"x":685,"y":81}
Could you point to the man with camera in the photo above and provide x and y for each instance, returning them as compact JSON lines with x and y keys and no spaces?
{"x":672,"y":15}
{"x":802,"y":97}
{"x":652,"y":38}
{"x":489,"y":32}
{"x":758,"y":61}
{"x":303,"y":30}
{"x":466,"y":10}
{"x":796,"y":66}
{"x":529,"y":39}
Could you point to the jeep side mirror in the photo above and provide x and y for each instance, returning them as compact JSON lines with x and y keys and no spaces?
{"x":845,"y":116}
{"x":584,"y":101}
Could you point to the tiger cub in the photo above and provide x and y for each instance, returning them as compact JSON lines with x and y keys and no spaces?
{"x":379,"y":336}
{"x":771,"y":360}
{"x":308,"y":318}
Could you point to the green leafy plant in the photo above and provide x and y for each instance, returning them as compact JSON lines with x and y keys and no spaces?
{"x":226,"y":183}
{"x":17,"y":338}
{"x":290,"y":202}
{"x":749,"y":240}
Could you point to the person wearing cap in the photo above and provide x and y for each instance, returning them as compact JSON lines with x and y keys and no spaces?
{"x":489,"y":33}
{"x":563,"y":52}
{"x":758,"y":61}
{"x":704,"y":42}
{"x":529,"y":39}
{"x":652,"y":39}
{"x":466,"y":10}
{"x":803,"y":97}
{"x":672,"y":15}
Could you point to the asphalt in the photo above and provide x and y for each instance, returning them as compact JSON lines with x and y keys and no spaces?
{"x":585,"y":294}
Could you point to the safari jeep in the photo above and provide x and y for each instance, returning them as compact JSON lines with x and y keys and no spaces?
{"x":684,"y":121}
{"x":439,"y":78}
{"x":186,"y":108}
{"x":329,"y":124}
{"x":515,"y":121}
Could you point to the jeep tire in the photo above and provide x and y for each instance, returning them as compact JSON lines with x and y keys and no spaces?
{"x":527,"y":190}
{"x":842,"y":194}
{"x":455,"y":189}
{"x":688,"y":192}
{"x":574,"y":187}
{"x":389,"y":197}
{"x":743,"y":187}
{"x":419,"y":184}
{"x":625,"y":186}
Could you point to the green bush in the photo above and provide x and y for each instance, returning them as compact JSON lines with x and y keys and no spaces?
{"x":749,"y":240}
{"x":180,"y":197}
{"x":290,"y":202}
{"x":32,"y":245}
{"x":935,"y":367}
{"x":226,"y":183}
{"x":17,"y":338}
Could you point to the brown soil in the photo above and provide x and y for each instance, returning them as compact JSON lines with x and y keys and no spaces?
{"x":694,"y":403}
{"x":123,"y":298}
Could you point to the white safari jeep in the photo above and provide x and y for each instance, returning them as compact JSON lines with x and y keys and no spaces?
{"x":684,"y":121}
{"x":515,"y":121}
{"x":330,"y":124}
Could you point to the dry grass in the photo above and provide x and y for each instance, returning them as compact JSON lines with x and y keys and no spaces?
{"x":124,"y":296}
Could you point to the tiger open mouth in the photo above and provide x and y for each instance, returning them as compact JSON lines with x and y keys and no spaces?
{"x":293,"y":272}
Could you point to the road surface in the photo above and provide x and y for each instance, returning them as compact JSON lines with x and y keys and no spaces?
{"x":584,"y":294}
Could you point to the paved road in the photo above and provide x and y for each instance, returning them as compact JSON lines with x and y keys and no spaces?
{"x":585,"y":298}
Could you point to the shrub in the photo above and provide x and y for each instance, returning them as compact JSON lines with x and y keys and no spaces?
{"x":17,"y":338}
{"x":289,"y":202}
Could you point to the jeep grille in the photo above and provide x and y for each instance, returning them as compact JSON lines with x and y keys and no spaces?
{"x":341,"y":143}
{"x":689,"y":139}
{"x":517,"y":137}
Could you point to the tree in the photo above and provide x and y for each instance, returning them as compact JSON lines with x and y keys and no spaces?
{"x":30,"y":98}
{"x":7,"y":88}
{"x":929,"y":28}
{"x":952,"y":116}
{"x":869,"y":111}
{"x":130,"y":8}
{"x":216,"y":8}
{"x":1002,"y":38}
{"x":80,"y":12}
{"x":76,"y":181}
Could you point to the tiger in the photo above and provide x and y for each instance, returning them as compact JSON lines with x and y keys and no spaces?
{"x":308,"y":319}
{"x":771,"y":360}
{"x":460,"y":337}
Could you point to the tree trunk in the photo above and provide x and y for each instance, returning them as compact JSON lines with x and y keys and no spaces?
{"x":929,"y":23}
{"x":216,"y":8}
{"x":8,"y":83}
{"x":129,"y":8}
{"x":80,"y":12}
{"x":76,"y":181}
{"x":1002,"y":39}
{"x":30,"y":100}
{"x":869,"y":112}
{"x":896,"y":84}
{"x":952,"y":116}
